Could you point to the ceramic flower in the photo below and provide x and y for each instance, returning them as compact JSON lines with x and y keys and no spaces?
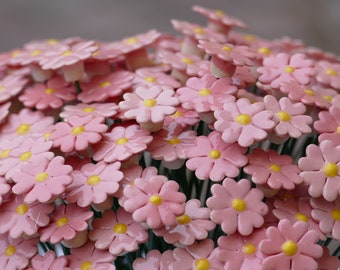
{"x":10,"y":86}
{"x":93,"y":183}
{"x":154,"y":260}
{"x":4,"y":188}
{"x":320,"y":170}
{"x":270,"y":168}
{"x":149,"y":77}
{"x":243,"y":122}
{"x":212,"y":158}
{"x":328,"y":73}
{"x":95,"y":109}
{"x":117,"y":232}
{"x":237,"y":206}
{"x":290,"y":246}
{"x":49,"y":261}
{"x":183,"y":117}
{"x":328,"y":125}
{"x":155,"y":200}
{"x":78,"y":132}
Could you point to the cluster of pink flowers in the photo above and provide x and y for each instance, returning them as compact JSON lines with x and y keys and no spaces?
{"x":213,"y":149}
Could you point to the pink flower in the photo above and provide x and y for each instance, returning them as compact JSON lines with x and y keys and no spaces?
{"x":193,"y":225}
{"x":270,"y":168}
{"x":78,"y":132}
{"x":237,"y":206}
{"x":49,"y":261}
{"x":327,"y":262}
{"x":321,"y":170}
{"x":100,"y":88}
{"x":49,"y":95}
{"x":290,"y":247}
{"x":243,"y":122}
{"x":241,"y":252}
{"x":93,"y":183}
{"x":4,"y":188}
{"x":16,"y":253}
{"x":118,"y":232}
{"x":183,"y":117}
{"x":212,"y":158}
{"x":122,"y":143}
{"x":328,"y":215}
{"x":154,"y":199}
{"x":283,"y":67}
{"x":154,"y":260}
{"x":206,"y":93}
{"x":43,"y":179}
{"x":289,"y":117}
{"x":66,"y":221}
{"x":148,"y":77}
{"x":88,"y":257}
{"x":20,"y":219}
{"x":149,"y":104}
{"x":328,"y":125}
{"x":95,"y":109}
{"x":196,"y":256}
{"x":329,"y":74}
{"x":10,"y":86}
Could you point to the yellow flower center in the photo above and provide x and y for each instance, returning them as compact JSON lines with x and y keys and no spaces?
{"x":243,"y":119}
{"x":264,"y":50}
{"x":149,"y":103}
{"x":35,"y":52}
{"x":23,"y":129}
{"x":104,"y":84}
{"x":309,"y":92}
{"x":93,"y":180}
{"x":174,"y":141}
{"x":122,"y":141}
{"x":49,"y":91}
{"x":41,"y":177}
{"x":187,"y":60}
{"x":249,"y":249}
{"x":88,"y":109}
{"x":183,"y":219}
{"x":10,"y":251}
{"x":202,"y":264}
{"x":4,"y":153}
{"x":338,"y":130}
{"x":331,"y":169}
{"x":52,"y":41}
{"x":227,"y":48}
{"x":328,"y":98}
{"x":155,"y":199}
{"x":249,"y":37}
{"x":2,"y":88}
{"x":62,"y":221}
{"x":177,"y":114}
{"x":66,"y":53}
{"x":275,"y":168}
{"x":86,"y":266}
{"x":215,"y":154}
{"x":77,"y":130}
{"x":289,"y":248}
{"x":21,"y":209}
{"x":120,"y":228}
{"x":131,"y":40}
{"x":331,"y":72}
{"x":25,"y":156}
{"x":15,"y":53}
{"x":150,"y":79}
{"x":199,"y":31}
{"x":301,"y":217}
{"x":239,"y":204}
{"x":336,"y":214}
{"x":204,"y":92}
{"x":283,"y":116}
{"x":289,"y":69}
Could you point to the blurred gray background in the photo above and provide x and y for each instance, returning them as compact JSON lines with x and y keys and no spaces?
{"x":316,"y":22}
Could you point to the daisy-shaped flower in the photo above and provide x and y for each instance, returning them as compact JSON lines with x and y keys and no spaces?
{"x":154,"y":260}
{"x":241,"y":252}
{"x":16,"y":253}
{"x":289,"y":117}
{"x":93,"y":183}
{"x":148,"y":77}
{"x":95,"y":109}
{"x":243,"y":122}
{"x":206,"y":94}
{"x":117,"y":232}
{"x":89,"y":257}
{"x":122,"y":143}
{"x":290,"y":247}
{"x":283,"y":67}
{"x":100,"y":88}
{"x":193,"y":225}
{"x":237,"y":206}
{"x":50,"y":95}
{"x":213,"y":158}
{"x":201,"y":255}
{"x":49,"y":261}
{"x":78,"y":132}
{"x":328,"y":215}
{"x":321,"y":170}
{"x":21,"y":219}
{"x":154,"y":200}
{"x":183,"y":117}
{"x":42,"y":179}
{"x":270,"y":168}
{"x":66,"y":222}
{"x":328,"y":125}
{"x":10,"y":86}
{"x":149,"y":104}
{"x":329,"y":74}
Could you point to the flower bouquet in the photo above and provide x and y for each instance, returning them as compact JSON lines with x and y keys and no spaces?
{"x":213,"y":149}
